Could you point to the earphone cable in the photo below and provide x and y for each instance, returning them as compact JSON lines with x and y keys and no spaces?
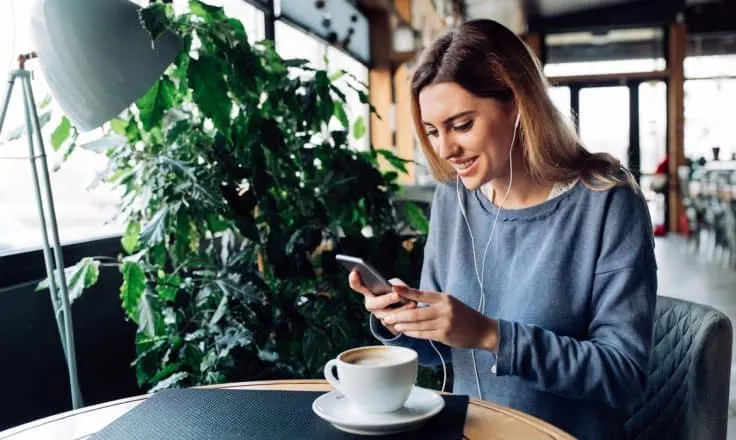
{"x":481,"y":277}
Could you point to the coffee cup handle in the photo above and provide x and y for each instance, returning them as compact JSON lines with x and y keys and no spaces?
{"x":330,"y":373}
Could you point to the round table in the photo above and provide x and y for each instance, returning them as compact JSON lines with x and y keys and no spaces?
{"x":484,"y":420}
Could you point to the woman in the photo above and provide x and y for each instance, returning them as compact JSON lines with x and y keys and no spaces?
{"x":539,"y":277}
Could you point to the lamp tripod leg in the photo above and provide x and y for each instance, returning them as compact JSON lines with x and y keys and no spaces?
{"x":6,"y":99}
{"x":47,"y":259}
{"x":60,"y":300}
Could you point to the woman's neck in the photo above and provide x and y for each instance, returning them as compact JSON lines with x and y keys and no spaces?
{"x":524,"y":192}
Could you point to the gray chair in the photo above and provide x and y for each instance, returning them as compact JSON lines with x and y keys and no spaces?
{"x":689,"y":375}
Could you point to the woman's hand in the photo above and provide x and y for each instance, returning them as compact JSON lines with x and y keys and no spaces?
{"x":381,"y":305}
{"x":446,"y":319}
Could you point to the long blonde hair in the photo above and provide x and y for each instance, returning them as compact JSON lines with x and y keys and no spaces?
{"x":490,"y":61}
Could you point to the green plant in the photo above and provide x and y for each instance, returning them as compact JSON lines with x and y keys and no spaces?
{"x":239,"y":187}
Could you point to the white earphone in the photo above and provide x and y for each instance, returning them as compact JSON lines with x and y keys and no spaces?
{"x":480,"y":277}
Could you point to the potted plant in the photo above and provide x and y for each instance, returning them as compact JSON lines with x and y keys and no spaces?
{"x":238,"y":191}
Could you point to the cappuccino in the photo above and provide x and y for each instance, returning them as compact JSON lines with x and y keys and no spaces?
{"x":372,"y":356}
{"x":376,"y":379}
{"x":370,"y":361}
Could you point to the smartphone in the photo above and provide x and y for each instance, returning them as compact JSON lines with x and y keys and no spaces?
{"x":370,"y":277}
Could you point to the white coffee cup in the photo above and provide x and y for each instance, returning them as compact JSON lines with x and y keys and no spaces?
{"x":375,"y":379}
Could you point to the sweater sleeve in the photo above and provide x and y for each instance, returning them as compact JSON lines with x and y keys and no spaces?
{"x":610,"y":365}
{"x":429,"y":281}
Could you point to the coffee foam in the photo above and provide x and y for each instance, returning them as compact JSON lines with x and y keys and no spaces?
{"x":375,"y":356}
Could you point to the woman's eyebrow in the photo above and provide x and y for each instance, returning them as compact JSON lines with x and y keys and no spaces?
{"x":453,"y":117}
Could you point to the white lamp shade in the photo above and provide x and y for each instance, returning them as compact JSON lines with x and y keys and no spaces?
{"x":96,"y":56}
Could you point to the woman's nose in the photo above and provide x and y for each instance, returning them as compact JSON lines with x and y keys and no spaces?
{"x":446,"y":147}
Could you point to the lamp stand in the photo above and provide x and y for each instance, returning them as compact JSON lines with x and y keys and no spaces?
{"x":52,"y":252}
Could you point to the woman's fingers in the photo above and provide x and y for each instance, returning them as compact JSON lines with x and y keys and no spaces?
{"x":411,"y":316}
{"x":374,"y":303}
{"x":419,"y":326}
{"x":381,"y":314}
{"x":357,"y":285}
{"x":397,"y":282}
{"x":417,"y":295}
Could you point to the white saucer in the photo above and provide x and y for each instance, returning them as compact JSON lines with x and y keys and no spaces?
{"x":421,"y":405}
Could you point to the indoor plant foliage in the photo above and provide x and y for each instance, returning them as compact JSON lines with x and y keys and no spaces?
{"x":238,"y":191}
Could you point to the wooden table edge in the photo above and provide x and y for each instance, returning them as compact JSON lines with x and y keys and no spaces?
{"x":285,"y":384}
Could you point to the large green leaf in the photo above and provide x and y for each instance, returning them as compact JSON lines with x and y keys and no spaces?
{"x":334,"y":76}
{"x":147,"y":314}
{"x":119,"y":126}
{"x":359,"y":128}
{"x":79,"y":277}
{"x":230,"y":288}
{"x":220,"y":312}
{"x":168,"y":286}
{"x":209,"y":90}
{"x":134,"y":285}
{"x":131,"y":236}
{"x":154,"y":19}
{"x":207,"y":12}
{"x":132,"y":132}
{"x":394,"y":160}
{"x":170,"y":381}
{"x":155,"y":102}
{"x":416,"y":218}
{"x":183,"y":237}
{"x":61,"y":133}
{"x":155,"y":230}
{"x":341,"y":115}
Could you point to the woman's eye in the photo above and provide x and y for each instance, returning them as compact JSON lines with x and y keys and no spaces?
{"x":431,"y":133}
{"x":464,"y":127}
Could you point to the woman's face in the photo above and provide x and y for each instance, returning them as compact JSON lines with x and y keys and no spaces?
{"x":473,"y":134}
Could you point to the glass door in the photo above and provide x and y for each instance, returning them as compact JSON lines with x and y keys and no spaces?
{"x":603,"y":120}
{"x":652,"y":97}
{"x":629,"y":122}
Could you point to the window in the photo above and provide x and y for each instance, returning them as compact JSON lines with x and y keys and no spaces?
{"x":605,"y":52}
{"x":599,"y":131}
{"x":711,"y":56}
{"x":709,"y":108}
{"x":292,"y":42}
{"x":710,"y":96}
{"x":295,"y":43}
{"x":84,"y":209}
{"x":710,"y":66}
{"x":82,"y":213}
{"x":652,"y":125}
{"x":560,"y":96}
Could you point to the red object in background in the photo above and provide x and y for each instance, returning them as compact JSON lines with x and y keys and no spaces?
{"x":684,"y":228}
{"x":660,"y":231}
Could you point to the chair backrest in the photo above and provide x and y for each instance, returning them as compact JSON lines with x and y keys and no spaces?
{"x":689,"y":375}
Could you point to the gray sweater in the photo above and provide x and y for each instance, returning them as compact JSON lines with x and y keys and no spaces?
{"x":572,"y":282}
